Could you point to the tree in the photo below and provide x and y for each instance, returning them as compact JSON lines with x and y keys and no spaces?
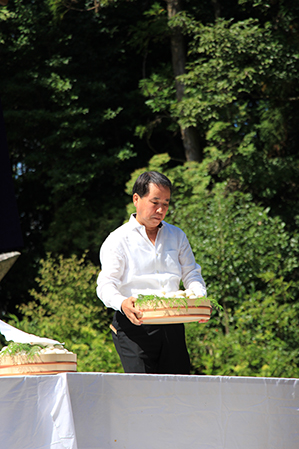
{"x":240,"y":93}
{"x":240,"y":90}
{"x":67,"y":103}
{"x":189,"y":134}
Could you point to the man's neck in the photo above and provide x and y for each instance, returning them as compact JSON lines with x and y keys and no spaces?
{"x":152,"y":234}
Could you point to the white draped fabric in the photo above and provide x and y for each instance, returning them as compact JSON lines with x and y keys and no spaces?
{"x":13,"y":334}
{"x":103,"y":411}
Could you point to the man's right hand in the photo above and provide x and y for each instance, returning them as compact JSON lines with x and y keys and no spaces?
{"x":132,"y":312}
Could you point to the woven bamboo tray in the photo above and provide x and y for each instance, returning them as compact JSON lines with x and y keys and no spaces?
{"x":37,"y":365}
{"x":163,"y":313}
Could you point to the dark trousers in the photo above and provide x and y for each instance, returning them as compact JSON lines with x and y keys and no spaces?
{"x":150,"y":348}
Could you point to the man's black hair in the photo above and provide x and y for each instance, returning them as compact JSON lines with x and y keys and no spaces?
{"x":141,"y":186}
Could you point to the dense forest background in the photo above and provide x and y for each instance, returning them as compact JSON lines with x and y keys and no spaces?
{"x":94,"y":93}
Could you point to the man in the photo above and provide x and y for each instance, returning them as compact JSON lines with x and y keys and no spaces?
{"x":145,"y":256}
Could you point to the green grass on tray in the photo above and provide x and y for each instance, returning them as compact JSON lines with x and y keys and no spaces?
{"x":155,"y":301}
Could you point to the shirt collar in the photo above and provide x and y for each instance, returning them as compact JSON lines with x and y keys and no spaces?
{"x":135,"y":224}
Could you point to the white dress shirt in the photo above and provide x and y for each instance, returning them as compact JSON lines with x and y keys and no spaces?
{"x":132,"y":265}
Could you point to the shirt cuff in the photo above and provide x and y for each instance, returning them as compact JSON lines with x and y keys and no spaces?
{"x":198,"y":289}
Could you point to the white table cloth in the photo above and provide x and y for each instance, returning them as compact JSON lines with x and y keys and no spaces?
{"x":103,"y":411}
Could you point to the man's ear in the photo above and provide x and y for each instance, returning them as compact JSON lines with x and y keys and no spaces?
{"x":135,"y":198}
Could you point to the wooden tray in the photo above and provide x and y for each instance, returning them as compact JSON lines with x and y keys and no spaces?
{"x":165,"y":314}
{"x":39,"y":364}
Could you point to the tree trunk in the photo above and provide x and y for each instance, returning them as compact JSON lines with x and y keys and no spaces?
{"x":189,"y":135}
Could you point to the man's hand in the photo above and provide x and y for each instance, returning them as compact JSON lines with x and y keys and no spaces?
{"x":132,"y":312}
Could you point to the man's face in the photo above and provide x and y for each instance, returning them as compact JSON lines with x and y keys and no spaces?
{"x":152,"y":208}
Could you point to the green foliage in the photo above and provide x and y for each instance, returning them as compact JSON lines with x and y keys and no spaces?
{"x":68,"y":127}
{"x":152,"y":29}
{"x":240,"y":92}
{"x":69,"y":92}
{"x":262,"y":341}
{"x":65,"y":307}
